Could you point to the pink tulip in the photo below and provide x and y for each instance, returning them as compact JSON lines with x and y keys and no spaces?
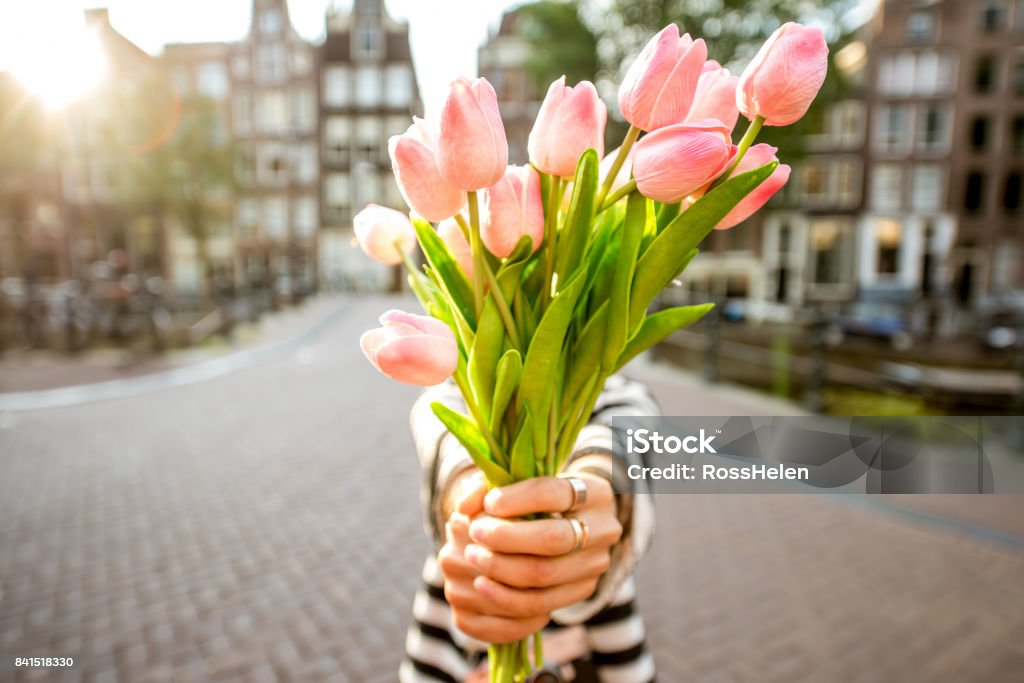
{"x":384,"y":234}
{"x":472,"y":151}
{"x":570,"y":121}
{"x":419,"y":180}
{"x":676,"y":161}
{"x":785,"y":75}
{"x":414,"y":349}
{"x":716,"y":98}
{"x":658,"y":88}
{"x":513,"y":209}
{"x":451,"y":234}
{"x":756,"y":157}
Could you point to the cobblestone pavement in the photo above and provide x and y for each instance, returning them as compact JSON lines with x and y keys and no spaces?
{"x":262,"y":526}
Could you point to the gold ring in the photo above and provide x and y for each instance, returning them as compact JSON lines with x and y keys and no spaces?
{"x":579,"y":493}
{"x":581,"y":531}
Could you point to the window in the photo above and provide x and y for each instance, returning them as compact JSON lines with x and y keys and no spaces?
{"x":933,"y":128}
{"x":848,"y":181}
{"x":212,"y":80}
{"x":303,"y":109}
{"x":368,"y":186}
{"x":369,"y":137}
{"x":272,"y":165}
{"x":1012,"y":191}
{"x":980,"y":133}
{"x":829,"y":246}
{"x":1017,"y":135}
{"x":272,"y":112}
{"x":306,"y":216}
{"x":814,"y":181}
{"x":985,"y":74}
{"x":304,"y":163}
{"x":1018,"y":71}
{"x":248,"y":218}
{"x":993,"y":16}
{"x":921,"y":73}
{"x":398,"y":92}
{"x":270,"y":22}
{"x":242,"y":112}
{"x":887,"y":187}
{"x":367,"y":86}
{"x":974,"y":192}
{"x":921,"y":26}
{"x":246,"y":167}
{"x":893,"y":129}
{"x":275,"y":217}
{"x":369,"y":42}
{"x":337,"y":86}
{"x":337,"y":195}
{"x":337,"y":139}
{"x":848,"y":120}
{"x":929,"y":187}
{"x":271,"y":64}
{"x":888,"y":235}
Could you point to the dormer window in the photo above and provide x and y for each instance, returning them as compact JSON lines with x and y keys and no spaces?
{"x":367,"y":8}
{"x":369,"y":43}
{"x":270,"y":22}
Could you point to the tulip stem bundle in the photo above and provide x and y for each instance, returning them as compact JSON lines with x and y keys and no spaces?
{"x":534,"y":302}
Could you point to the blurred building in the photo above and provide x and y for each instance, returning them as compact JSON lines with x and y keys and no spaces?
{"x":502,"y":61}
{"x":274,"y":129}
{"x":368,"y":93}
{"x":945,"y":221}
{"x":200,"y":75}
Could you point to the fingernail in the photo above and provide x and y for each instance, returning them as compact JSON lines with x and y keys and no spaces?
{"x":474,"y":554}
{"x":478,"y":532}
{"x":483,"y":586}
{"x":491,"y":499}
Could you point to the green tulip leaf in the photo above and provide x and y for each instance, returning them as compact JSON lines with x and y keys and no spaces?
{"x":660,"y":264}
{"x":448,"y":274}
{"x":510,"y":373}
{"x":587,"y":353}
{"x":657,"y":327}
{"x":637,"y":211}
{"x":578,"y":221}
{"x":524,"y":462}
{"x":470,"y":436}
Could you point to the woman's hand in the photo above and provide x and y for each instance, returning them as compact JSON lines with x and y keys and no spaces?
{"x":505,"y":575}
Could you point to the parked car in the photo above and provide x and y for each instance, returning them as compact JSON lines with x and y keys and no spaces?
{"x":878,"y":321}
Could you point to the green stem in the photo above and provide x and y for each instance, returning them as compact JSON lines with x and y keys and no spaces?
{"x":467,"y":395}
{"x":627,"y":143}
{"x":499,"y":296}
{"x":538,"y":650}
{"x":580,"y":419}
{"x":618,"y":194}
{"x":551,"y":236}
{"x":477,"y":250}
{"x":745,"y":143}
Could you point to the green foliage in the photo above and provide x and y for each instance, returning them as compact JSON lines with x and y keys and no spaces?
{"x":562,"y":42}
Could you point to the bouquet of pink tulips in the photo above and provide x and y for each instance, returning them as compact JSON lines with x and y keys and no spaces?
{"x":538,"y":278}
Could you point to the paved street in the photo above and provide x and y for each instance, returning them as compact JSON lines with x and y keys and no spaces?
{"x":259,"y":522}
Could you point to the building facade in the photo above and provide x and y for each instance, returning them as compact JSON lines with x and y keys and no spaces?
{"x":274,"y":128}
{"x":502,"y":61}
{"x":946,"y":154}
{"x":368,"y":93}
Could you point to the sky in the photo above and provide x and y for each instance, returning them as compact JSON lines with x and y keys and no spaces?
{"x":445,"y":34}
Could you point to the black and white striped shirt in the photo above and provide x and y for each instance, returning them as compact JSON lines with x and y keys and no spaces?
{"x":607,"y":624}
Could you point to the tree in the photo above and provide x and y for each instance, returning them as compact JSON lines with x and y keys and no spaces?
{"x":188,"y":173}
{"x":564,"y":42}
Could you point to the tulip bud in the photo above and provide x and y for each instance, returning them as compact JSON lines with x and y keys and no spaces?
{"x":513,"y":208}
{"x":409,"y":348}
{"x":472,"y":151}
{"x":570,"y":121}
{"x":785,"y":75}
{"x":676,"y":161}
{"x":756,"y":157}
{"x":716,"y":98}
{"x":384,"y":234}
{"x":419,"y":180}
{"x":658,"y":88}
{"x":451,"y":234}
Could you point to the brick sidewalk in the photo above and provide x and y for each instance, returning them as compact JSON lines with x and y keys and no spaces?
{"x":263,"y":527}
